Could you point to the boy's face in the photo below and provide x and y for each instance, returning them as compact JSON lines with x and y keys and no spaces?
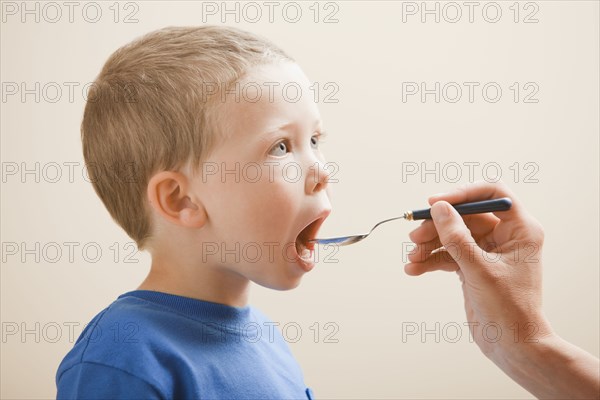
{"x":264,"y":187}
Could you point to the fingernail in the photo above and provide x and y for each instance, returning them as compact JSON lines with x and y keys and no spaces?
{"x":440,"y":211}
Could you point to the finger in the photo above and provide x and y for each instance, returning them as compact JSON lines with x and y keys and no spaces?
{"x":478,"y":224}
{"x":424,"y":232}
{"x":423,"y":250}
{"x":457,"y":238}
{"x":442,"y":263}
{"x":483,"y":190}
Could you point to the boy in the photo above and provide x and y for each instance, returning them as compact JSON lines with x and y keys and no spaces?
{"x":225,"y":185}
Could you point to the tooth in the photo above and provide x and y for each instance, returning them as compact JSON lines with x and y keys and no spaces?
{"x":305,"y":253}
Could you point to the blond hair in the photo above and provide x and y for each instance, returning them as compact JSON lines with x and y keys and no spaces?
{"x":149,"y":110}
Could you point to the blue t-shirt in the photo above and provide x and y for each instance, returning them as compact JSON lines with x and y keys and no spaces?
{"x":153,"y":345}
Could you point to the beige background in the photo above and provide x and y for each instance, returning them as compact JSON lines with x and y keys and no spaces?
{"x":368,"y":53}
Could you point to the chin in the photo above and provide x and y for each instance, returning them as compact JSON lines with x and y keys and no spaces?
{"x":285,"y":283}
{"x":290,"y":285}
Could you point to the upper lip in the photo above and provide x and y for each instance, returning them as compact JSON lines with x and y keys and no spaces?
{"x":314,"y":225}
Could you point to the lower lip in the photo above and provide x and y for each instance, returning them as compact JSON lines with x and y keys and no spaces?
{"x":306,"y":265}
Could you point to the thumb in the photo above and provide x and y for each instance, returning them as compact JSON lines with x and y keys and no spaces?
{"x":456,"y":237}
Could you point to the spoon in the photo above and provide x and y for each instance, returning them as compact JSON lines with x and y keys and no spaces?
{"x":478,"y":207}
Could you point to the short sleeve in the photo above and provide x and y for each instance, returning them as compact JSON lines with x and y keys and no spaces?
{"x":309,"y":394}
{"x":87,"y":380}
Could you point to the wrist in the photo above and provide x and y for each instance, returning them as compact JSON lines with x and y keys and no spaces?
{"x":527,"y":363}
{"x":550,"y":367}
{"x":528,"y":343}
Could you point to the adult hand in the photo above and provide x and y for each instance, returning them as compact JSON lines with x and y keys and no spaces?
{"x":498,"y":260}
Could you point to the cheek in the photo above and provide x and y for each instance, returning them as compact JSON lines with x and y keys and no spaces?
{"x":250,"y":210}
{"x":270,"y":207}
{"x":279,"y":211}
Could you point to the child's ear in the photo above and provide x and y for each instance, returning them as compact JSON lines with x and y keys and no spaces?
{"x":169,"y":195}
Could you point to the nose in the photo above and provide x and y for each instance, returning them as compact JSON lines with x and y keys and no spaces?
{"x":317,"y":178}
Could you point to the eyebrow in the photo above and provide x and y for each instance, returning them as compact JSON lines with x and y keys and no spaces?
{"x":287,"y":126}
{"x":283,"y":127}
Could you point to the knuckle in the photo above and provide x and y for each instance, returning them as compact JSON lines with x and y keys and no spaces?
{"x":537,"y":231}
{"x":500,"y":183}
{"x":463,"y":188}
{"x":482,"y":184}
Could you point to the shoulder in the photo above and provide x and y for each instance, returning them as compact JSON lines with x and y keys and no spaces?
{"x":125,"y":342}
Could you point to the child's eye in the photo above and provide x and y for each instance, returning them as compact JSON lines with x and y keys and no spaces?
{"x":317,"y":139}
{"x":279,"y":150}
{"x":314,"y":141}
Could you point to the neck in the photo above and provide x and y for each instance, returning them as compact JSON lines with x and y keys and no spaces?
{"x":200,"y":281}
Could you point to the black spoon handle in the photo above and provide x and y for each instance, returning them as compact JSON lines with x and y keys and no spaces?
{"x":477,"y":207}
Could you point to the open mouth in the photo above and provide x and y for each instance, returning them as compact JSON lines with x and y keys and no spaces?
{"x":304,"y":247}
